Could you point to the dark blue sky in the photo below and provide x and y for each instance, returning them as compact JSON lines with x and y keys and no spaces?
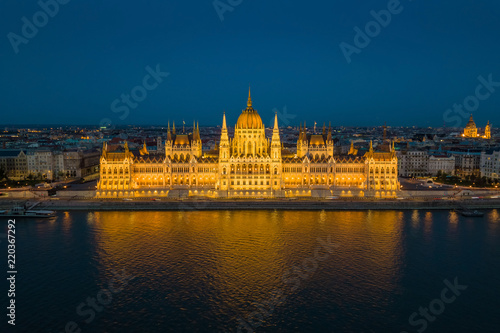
{"x":426,"y":59}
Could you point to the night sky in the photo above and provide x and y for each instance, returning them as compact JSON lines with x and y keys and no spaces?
{"x":426,"y":59}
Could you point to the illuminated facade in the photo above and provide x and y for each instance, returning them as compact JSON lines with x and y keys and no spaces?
{"x":470,"y":130}
{"x":248,"y":165}
{"x":487,"y":131}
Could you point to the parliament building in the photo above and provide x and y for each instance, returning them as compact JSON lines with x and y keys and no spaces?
{"x":248,"y":165}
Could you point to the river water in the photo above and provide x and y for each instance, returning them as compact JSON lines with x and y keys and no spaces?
{"x":257,"y":271}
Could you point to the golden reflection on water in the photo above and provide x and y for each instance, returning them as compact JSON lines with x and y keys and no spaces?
{"x":453,"y":220}
{"x":243,"y":255}
{"x":494,"y":220}
{"x":415,"y":219}
{"x":428,"y":224}
{"x":66,"y":223}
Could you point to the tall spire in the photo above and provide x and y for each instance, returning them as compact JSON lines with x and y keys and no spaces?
{"x":224,"y":138}
{"x":195,"y":132}
{"x":329,"y":136}
{"x":371,"y":146}
{"x":249,"y":103}
{"x":173,"y":129}
{"x":169,"y":136}
{"x":276,"y":130}
{"x":324,"y":128}
{"x":104,"y":149}
{"x":144,"y":149}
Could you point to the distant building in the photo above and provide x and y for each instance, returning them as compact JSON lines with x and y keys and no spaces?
{"x":413,"y":163}
{"x":44,"y":163}
{"x":467,"y":164}
{"x":487,"y":131}
{"x":57,"y":164}
{"x":78,"y":164}
{"x":159,"y":144}
{"x":443,"y":163}
{"x":471,"y":131}
{"x":490,"y":164}
{"x":14,"y":162}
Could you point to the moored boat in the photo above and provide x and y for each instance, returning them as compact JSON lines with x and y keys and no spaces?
{"x":21,"y":211}
{"x":472,"y":213}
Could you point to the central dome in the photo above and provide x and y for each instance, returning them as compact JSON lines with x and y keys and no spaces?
{"x":249,"y":118}
{"x":471,"y":123}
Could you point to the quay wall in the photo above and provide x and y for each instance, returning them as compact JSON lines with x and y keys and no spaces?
{"x":307,"y":204}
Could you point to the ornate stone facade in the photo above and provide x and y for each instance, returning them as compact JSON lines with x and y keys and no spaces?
{"x":248,"y":165}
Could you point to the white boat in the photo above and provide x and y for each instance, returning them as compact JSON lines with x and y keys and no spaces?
{"x":21,"y":211}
